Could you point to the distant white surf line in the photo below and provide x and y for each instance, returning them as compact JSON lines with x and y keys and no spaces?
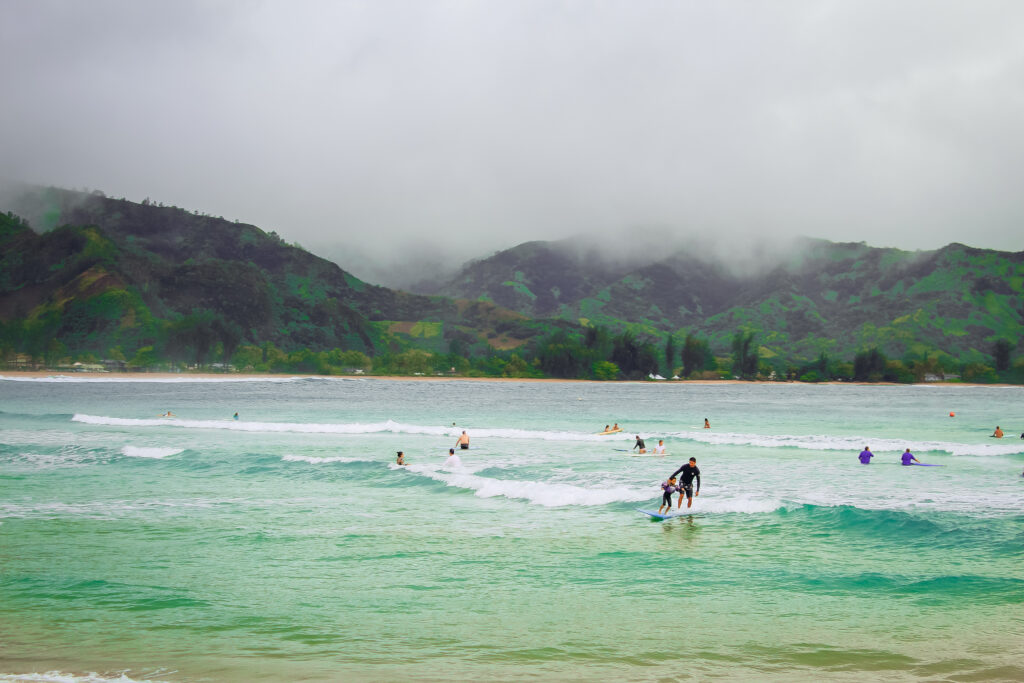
{"x":184,"y":379}
{"x":143,"y":452}
{"x":61,"y":677}
{"x":807,"y":441}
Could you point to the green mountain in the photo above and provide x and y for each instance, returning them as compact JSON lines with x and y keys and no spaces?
{"x":825,"y":296}
{"x":122,"y":274}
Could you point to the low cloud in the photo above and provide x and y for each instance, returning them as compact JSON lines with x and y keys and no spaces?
{"x":441,"y":131}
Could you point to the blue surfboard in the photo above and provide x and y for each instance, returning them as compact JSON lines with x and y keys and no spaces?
{"x":658,"y":516}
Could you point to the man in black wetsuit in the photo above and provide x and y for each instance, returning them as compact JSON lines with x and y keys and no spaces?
{"x":640,"y":444}
{"x":689,"y":472}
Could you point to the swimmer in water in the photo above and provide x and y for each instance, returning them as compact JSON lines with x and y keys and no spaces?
{"x":865,"y":456}
{"x":707,"y":425}
{"x":998,"y":433}
{"x":463,"y":441}
{"x":907,"y":458}
{"x":660,"y":448}
{"x":453,"y":460}
{"x":400,"y":460}
{"x":168,"y":414}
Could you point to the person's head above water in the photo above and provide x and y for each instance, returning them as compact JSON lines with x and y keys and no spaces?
{"x":451,"y":451}
{"x":693,"y":460}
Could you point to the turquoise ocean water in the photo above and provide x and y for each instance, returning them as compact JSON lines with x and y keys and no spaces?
{"x":288,"y":546}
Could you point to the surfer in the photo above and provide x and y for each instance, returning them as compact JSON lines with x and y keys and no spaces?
{"x":235,"y":417}
{"x":998,"y":433}
{"x":639,"y":444}
{"x":689,"y":472}
{"x":463,"y":441}
{"x":400,"y":460}
{"x":616,"y":427}
{"x":660,"y":448}
{"x":865,"y":456}
{"x":168,"y":414}
{"x":453,"y":460}
{"x":667,"y":489}
{"x":707,"y":425}
{"x":607,"y":428}
{"x":908,"y":457}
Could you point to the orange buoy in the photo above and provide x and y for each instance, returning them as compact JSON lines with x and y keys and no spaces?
{"x":952,"y":414}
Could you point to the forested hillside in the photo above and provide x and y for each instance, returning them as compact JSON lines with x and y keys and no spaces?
{"x":825,"y":297}
{"x":121,"y":275}
{"x":98,"y":278}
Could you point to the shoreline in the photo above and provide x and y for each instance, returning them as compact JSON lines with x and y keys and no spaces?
{"x":256,"y":376}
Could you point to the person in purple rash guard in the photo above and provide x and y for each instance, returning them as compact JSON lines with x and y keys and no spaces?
{"x":907,"y":458}
{"x":667,"y":488}
{"x":865,"y":456}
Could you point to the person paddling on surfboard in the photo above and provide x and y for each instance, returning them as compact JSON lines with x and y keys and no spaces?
{"x":660,"y":448}
{"x":667,"y":489}
{"x":908,"y":458}
{"x":463,"y":441}
{"x":998,"y":433}
{"x":639,"y":444}
{"x":689,"y":472}
{"x":865,"y":456}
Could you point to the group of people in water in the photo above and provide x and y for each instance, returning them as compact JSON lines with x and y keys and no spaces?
{"x":907,"y":458}
{"x":452,"y":461}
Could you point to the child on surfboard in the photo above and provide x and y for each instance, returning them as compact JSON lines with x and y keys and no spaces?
{"x":667,"y":489}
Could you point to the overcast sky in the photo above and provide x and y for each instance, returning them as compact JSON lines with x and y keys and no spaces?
{"x":420,"y":127}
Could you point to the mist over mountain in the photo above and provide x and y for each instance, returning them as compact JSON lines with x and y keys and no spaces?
{"x":801,"y":296}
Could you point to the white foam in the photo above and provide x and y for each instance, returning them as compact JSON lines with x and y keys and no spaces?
{"x":318,"y":461}
{"x":61,"y":677}
{"x":250,"y":426}
{"x":540,"y":493}
{"x":142,"y":452}
{"x":817,"y":442}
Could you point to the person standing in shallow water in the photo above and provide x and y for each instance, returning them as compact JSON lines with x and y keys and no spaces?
{"x":865,"y":456}
{"x":452,"y":460}
{"x":908,"y":458}
{"x":707,"y":425}
{"x":463,"y":441}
